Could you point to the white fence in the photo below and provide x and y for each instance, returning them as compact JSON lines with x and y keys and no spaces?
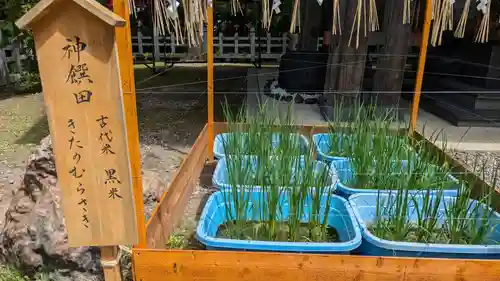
{"x":225,"y":47}
{"x":162,"y":48}
{"x":11,"y":58}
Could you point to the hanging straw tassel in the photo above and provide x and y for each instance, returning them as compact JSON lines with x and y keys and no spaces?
{"x":336,"y":17}
{"x":266,"y":14}
{"x":356,"y":24}
{"x":370,"y":23}
{"x":235,"y":7}
{"x":373,"y":16}
{"x":443,"y":22}
{"x":436,"y":5}
{"x":407,"y":12}
{"x":460,"y":29}
{"x":484,"y":27}
{"x":293,"y":23}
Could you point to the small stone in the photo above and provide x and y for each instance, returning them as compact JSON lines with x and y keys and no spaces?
{"x":12,"y":181}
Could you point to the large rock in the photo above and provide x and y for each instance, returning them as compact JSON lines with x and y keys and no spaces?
{"x":34,"y":235}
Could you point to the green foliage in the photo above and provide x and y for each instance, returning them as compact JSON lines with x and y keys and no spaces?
{"x":10,"y":273}
{"x":29,"y":82}
{"x":10,"y":11}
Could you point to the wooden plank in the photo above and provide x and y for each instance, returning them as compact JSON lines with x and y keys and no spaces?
{"x":80,"y":76}
{"x":242,"y":266}
{"x":210,"y":75}
{"x":126,"y":63}
{"x":168,"y":213}
{"x":421,"y":64}
{"x":110,"y":262}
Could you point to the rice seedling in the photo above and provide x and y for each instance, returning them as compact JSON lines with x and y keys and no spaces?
{"x":429,"y":217}
{"x":468,"y":222}
{"x":290,"y":182}
{"x":256,"y":134}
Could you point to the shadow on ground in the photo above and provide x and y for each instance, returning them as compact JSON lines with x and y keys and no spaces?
{"x":36,"y":133}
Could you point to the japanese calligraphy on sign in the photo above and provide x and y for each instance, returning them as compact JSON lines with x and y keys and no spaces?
{"x":79,"y":70}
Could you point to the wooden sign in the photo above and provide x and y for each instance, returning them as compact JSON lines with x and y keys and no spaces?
{"x":78,"y":62}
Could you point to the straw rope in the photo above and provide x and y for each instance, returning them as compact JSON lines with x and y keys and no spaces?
{"x":166,"y":19}
{"x":443,"y":21}
{"x":484,"y":27}
{"x":360,"y":16}
{"x":336,"y":18}
{"x":293,"y":24}
{"x":407,"y":12}
{"x":460,"y":29}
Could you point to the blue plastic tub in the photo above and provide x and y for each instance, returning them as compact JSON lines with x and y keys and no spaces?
{"x":344,"y":172}
{"x":220,"y":176}
{"x":340,"y":217}
{"x":323,"y":145}
{"x":364,"y":206}
{"x":275,"y":139}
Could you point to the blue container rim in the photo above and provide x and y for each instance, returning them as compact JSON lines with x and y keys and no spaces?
{"x":350,"y":190}
{"x":220,"y":154}
{"x":416,"y":246}
{"x":322,"y":137}
{"x":214,"y":242}
{"x":222,"y":161}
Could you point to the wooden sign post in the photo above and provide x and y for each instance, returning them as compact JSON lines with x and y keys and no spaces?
{"x":78,"y":63}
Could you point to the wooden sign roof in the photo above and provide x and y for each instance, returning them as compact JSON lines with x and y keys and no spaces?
{"x":93,"y":7}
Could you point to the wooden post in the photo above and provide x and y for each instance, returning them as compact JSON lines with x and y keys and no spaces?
{"x":210,"y":76}
{"x":140,"y":45}
{"x":252,"y":43}
{"x":110,"y":262}
{"x":421,"y":65}
{"x":172,"y":44}
{"x":284,"y":42}
{"x":78,"y":61}
{"x":221,"y":43}
{"x":352,"y":61}
{"x":4,"y":68}
{"x":236,"y":43}
{"x":268,"y":42}
{"x":156,"y":44}
{"x":124,"y":45}
{"x":310,"y":22}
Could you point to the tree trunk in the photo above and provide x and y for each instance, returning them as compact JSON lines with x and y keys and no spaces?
{"x":330,"y":44}
{"x":388,"y":78}
{"x":310,"y":25}
{"x":352,"y":60}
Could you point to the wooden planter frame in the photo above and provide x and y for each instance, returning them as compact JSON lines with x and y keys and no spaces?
{"x":158,"y":263}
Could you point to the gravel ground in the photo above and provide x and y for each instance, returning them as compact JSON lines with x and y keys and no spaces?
{"x":490,"y":160}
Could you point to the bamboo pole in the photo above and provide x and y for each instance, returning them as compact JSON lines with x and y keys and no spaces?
{"x":210,"y":77}
{"x":421,"y":65}
{"x":124,"y":46}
